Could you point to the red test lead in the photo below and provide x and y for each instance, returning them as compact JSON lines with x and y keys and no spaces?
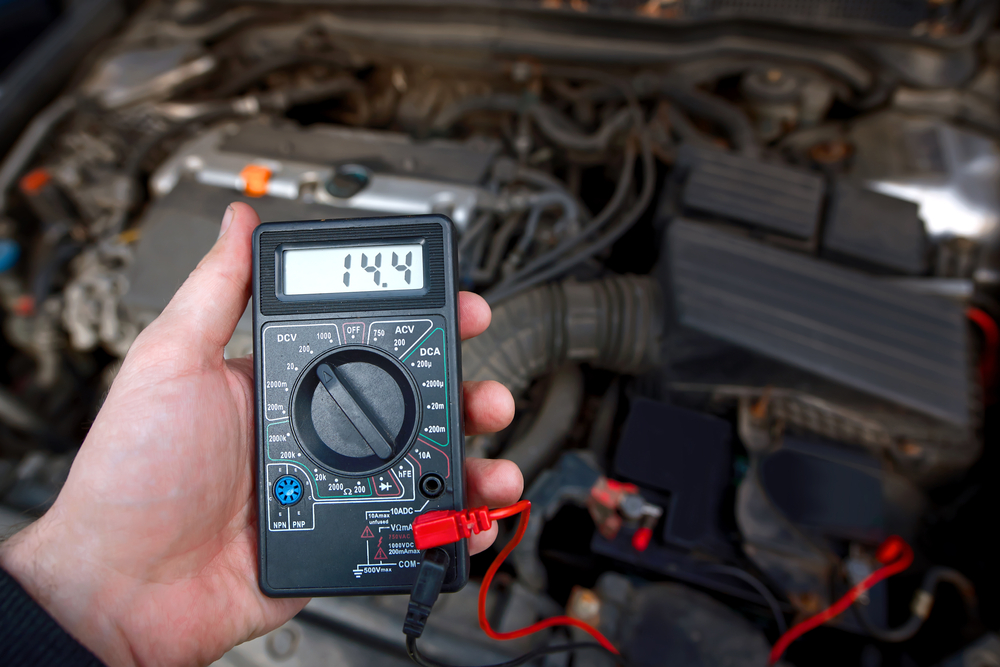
{"x":436,"y":529}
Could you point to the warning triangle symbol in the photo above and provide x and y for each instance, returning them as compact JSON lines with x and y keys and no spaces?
{"x":380,"y":555}
{"x":367,"y":533}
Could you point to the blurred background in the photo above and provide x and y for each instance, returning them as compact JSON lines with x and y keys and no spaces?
{"x":743,"y":255}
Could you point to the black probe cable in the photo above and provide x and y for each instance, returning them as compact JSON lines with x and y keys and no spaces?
{"x":430,"y":578}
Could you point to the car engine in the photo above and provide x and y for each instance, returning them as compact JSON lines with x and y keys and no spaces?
{"x":743,"y":259}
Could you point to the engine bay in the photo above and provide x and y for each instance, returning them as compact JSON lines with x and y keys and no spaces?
{"x":743,"y":260}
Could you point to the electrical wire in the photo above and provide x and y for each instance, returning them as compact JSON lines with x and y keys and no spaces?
{"x":424,"y":661}
{"x":508,"y":288}
{"x":758,"y":585}
{"x":601,"y":219}
{"x":895,"y":554}
{"x":473,"y":232}
{"x":497,"y":245}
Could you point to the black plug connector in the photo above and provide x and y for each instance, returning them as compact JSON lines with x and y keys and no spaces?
{"x":430,"y":579}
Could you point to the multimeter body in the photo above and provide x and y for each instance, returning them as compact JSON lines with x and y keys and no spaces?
{"x":359,"y":418}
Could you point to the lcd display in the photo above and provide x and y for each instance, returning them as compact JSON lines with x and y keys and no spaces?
{"x":355,"y":269}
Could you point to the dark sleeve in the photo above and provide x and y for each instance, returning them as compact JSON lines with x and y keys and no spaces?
{"x":29,"y":636}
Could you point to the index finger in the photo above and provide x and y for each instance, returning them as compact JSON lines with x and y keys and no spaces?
{"x":473,"y":314}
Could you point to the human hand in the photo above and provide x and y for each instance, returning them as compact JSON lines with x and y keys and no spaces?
{"x":148,"y":555}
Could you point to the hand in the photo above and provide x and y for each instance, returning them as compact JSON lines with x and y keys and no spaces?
{"x":149,"y":553}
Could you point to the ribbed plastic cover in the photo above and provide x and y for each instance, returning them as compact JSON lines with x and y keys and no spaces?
{"x":773,"y":197}
{"x":842,"y":324}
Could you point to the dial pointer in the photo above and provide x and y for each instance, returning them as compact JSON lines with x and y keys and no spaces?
{"x":373,"y":436}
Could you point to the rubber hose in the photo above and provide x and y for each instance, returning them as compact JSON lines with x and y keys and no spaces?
{"x":534,"y":450}
{"x":450,"y":115}
{"x":558,"y":130}
{"x":613,"y":323}
{"x":699,"y":103}
{"x":550,"y":122}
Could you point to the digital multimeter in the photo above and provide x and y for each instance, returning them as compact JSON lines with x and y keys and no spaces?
{"x":358,"y":395}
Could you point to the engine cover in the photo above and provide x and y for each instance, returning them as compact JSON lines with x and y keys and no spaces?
{"x":318,"y":172}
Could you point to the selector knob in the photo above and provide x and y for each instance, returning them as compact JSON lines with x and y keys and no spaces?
{"x":354,"y":410}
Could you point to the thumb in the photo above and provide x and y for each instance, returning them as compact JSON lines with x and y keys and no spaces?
{"x":203,"y":313}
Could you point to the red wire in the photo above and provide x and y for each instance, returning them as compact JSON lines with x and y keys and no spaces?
{"x":991,"y":345}
{"x":897,"y":556}
{"x":524,"y":509}
{"x":510,"y":510}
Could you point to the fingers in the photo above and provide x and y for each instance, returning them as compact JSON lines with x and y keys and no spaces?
{"x":482,"y":541}
{"x":473,"y":314}
{"x":489,"y":407}
{"x":205,"y":310}
{"x":495,"y":484}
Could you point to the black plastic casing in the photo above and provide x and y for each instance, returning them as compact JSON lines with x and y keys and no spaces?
{"x":328,"y":543}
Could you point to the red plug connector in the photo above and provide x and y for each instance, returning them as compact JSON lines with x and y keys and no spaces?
{"x":436,"y":529}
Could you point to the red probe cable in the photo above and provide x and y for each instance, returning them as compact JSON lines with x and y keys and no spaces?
{"x":435,"y":529}
{"x":895,"y":555}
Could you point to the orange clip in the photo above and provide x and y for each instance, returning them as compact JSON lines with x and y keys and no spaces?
{"x":34,"y":181}
{"x":255,"y":178}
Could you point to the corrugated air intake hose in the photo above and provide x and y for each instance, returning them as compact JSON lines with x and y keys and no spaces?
{"x":613,"y":323}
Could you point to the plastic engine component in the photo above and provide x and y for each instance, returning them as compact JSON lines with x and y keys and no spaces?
{"x":875,"y":229}
{"x":682,"y":453}
{"x":772,"y":197}
{"x":842,"y":324}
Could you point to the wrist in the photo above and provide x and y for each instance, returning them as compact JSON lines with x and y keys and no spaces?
{"x":67,"y":588}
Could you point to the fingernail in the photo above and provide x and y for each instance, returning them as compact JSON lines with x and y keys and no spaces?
{"x":227,"y":220}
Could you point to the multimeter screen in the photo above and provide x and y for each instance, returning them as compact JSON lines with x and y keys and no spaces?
{"x":354,"y":269}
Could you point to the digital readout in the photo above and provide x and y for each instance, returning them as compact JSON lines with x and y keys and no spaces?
{"x":351,"y":270}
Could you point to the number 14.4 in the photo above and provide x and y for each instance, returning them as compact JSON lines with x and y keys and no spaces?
{"x":374,"y":268}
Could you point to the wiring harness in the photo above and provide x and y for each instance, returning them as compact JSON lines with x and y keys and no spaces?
{"x":436,"y":529}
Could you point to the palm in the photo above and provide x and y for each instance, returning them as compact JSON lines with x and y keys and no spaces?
{"x":197,"y":558}
{"x":149,"y":552}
